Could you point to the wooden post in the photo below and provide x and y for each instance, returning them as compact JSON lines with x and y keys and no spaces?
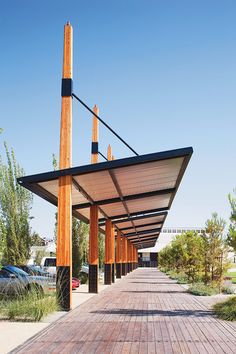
{"x":113,"y":246}
{"x":124,"y":250}
{"x":64,"y":232}
{"x":118,"y":254}
{"x":128,"y":255}
{"x":131,"y":257}
{"x":113,"y":254}
{"x":123,"y":254}
{"x":108,"y":241}
{"x":93,"y":231}
{"x":108,"y":260}
{"x":94,"y":156}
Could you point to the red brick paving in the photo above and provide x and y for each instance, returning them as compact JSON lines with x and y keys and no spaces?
{"x":145,"y":312}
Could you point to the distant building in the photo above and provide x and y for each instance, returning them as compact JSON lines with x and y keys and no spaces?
{"x":49,"y":250}
{"x":148,"y":257}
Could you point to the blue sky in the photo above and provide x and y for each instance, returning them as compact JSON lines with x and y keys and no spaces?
{"x":162,"y":73}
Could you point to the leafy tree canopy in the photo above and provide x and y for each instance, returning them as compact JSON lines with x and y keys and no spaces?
{"x":15,"y":205}
{"x":231,"y":237}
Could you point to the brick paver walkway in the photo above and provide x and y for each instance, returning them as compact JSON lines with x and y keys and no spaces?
{"x":145,"y":312}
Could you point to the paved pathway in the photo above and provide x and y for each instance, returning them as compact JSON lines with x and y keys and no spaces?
{"x":145,"y":312}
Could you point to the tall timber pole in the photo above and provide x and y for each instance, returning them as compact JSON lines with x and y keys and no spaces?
{"x":64,"y":248}
{"x":108,"y":240}
{"x":93,"y":229}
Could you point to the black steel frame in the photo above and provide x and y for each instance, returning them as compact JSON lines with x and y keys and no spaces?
{"x":121,"y":221}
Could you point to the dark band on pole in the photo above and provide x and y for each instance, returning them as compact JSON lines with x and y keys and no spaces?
{"x":63,"y":287}
{"x":94,"y":149}
{"x":66,"y":87}
{"x":107,"y":274}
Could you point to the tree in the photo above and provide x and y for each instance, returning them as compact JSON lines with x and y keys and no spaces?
{"x":36,"y":240}
{"x":83,"y":243}
{"x":101,"y":249}
{"x":231,"y":237}
{"x":183,"y":255}
{"x":39,"y":256}
{"x":15,"y":205}
{"x":2,"y":239}
{"x":193,"y":255}
{"x":214,"y":248}
{"x":75,"y":248}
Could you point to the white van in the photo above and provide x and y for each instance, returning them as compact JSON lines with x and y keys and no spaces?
{"x":49,"y":265}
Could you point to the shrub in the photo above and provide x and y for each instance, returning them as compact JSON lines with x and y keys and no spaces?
{"x":172,"y":274}
{"x":182,"y":278}
{"x":227,"y":290}
{"x":226,"y":310}
{"x":202,"y":290}
{"x":83,"y":277}
{"x":163,"y":269}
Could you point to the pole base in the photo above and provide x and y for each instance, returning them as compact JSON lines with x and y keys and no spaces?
{"x":128,"y":267}
{"x":118,"y":270}
{"x":123,"y":269}
{"x":113,"y":273}
{"x":107,"y":274}
{"x":93,"y":278}
{"x":63,"y":286}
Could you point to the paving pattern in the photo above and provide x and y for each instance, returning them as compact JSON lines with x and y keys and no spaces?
{"x":144,"y":312}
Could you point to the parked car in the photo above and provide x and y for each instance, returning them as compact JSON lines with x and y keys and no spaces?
{"x":34,"y":270}
{"x":14,"y":281}
{"x":76,"y":282}
{"x":85,"y":268}
{"x":49,"y":264}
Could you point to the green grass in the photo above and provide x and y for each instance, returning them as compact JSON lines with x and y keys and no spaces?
{"x":29,"y":307}
{"x":202,"y":290}
{"x":231,"y":274}
{"x":226,"y":310}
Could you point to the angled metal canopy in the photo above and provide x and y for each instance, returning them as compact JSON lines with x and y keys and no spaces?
{"x":135,"y":193}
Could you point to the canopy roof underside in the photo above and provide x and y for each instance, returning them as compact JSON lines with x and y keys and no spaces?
{"x":135,"y":193}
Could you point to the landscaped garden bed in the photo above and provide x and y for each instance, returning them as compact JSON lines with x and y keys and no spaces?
{"x":29,"y":307}
{"x":226,"y":310}
{"x":199,"y":262}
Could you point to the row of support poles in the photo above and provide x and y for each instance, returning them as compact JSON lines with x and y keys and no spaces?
{"x":126,"y":254}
